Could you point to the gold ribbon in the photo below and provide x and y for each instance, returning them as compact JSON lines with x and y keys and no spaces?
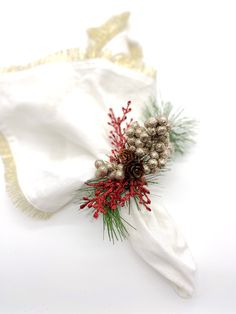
{"x":98,"y":38}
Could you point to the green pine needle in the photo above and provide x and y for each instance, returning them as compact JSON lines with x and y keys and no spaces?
{"x":113,"y":223}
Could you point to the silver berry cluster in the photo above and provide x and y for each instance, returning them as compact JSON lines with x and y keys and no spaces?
{"x":112,"y":170}
{"x":150,"y":142}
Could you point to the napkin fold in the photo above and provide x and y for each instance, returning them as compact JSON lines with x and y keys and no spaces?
{"x":53,"y":126}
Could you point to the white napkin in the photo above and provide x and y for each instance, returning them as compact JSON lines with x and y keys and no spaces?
{"x":53,"y":124}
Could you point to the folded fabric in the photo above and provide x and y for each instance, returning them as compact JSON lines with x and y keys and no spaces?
{"x":53,"y":127}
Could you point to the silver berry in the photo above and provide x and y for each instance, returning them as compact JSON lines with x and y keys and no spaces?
{"x":98,"y":174}
{"x":132,"y":148}
{"x":162,"y":120}
{"x":144,"y":137}
{"x":140,"y":152}
{"x":147,"y":170}
{"x":151,"y":131}
{"x":112,"y":175}
{"x":103,"y":170}
{"x":153,"y":147}
{"x":131,"y":141}
{"x":138,"y":132}
{"x":109,"y":167}
{"x":151,"y":122}
{"x":165,"y":154}
{"x":161,"y":130}
{"x":148,"y":144}
{"x":152,"y":163}
{"x":154,"y":155}
{"x":119,"y":175}
{"x":139,"y":143}
{"x":164,"y":138}
{"x":99,"y":163}
{"x":160,"y":147}
{"x":130,"y":132}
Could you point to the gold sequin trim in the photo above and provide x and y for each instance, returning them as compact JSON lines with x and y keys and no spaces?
{"x":98,"y":38}
{"x":12,"y":184}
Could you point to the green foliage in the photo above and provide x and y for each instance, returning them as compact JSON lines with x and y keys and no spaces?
{"x":114,"y":224}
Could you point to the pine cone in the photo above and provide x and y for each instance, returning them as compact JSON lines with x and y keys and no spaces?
{"x":126,"y":156}
{"x":134,"y":169}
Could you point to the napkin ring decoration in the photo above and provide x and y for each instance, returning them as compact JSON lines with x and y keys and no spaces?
{"x":140,"y":153}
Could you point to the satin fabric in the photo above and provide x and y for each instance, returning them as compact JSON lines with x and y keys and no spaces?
{"x":54,"y":118}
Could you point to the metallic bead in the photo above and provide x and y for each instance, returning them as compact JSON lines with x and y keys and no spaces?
{"x":98,"y":174}
{"x":151,"y":122}
{"x":99,"y":163}
{"x":147,"y":170}
{"x":154,"y":155}
{"x":144,"y":137}
{"x":140,"y":152}
{"x":160,"y":147}
{"x":132,"y":148}
{"x":138,"y":132}
{"x":151,"y":131}
{"x":120,"y":167}
{"x":138,"y":143}
{"x":165,"y":154}
{"x":153,"y":148}
{"x":161,"y":162}
{"x":164,"y":138}
{"x":161,"y":130}
{"x":130,"y":132}
{"x":131,"y":141}
{"x":162,"y":120}
{"x":109,"y":167}
{"x":119,"y":175}
{"x":103,"y":170}
{"x":152,"y":163}
{"x":112,"y":175}
{"x":148,"y":144}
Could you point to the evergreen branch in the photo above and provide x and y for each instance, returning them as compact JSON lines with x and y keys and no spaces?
{"x":112,"y":221}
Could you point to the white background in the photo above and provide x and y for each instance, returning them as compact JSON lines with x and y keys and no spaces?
{"x":63,"y":265}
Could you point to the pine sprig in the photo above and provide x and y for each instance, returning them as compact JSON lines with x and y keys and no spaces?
{"x":113,"y":222}
{"x":182,"y":130}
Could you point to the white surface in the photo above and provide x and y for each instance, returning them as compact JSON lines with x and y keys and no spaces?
{"x":63,"y":265}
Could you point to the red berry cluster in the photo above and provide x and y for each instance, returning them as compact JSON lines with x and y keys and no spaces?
{"x":117,"y":135}
{"x":111,"y":194}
